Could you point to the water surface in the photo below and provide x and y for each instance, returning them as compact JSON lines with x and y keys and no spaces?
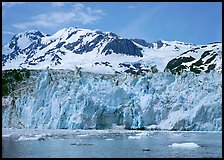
{"x":109,"y":144}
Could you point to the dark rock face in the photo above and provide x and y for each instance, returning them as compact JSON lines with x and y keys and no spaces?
{"x":3,"y":58}
{"x":159,"y":44}
{"x":143,"y":42}
{"x":13,"y":42}
{"x":71,"y":34}
{"x":56,"y":59}
{"x":33,"y":36}
{"x":60,"y":44}
{"x":71,"y":46}
{"x":104,"y":43}
{"x":113,"y":34}
{"x":135,"y":68}
{"x":90,"y":45}
{"x":151,"y":45}
{"x":36,"y":35}
{"x":122,"y":46}
{"x":41,"y":59}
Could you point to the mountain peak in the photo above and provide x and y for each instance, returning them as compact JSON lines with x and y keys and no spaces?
{"x":30,"y":33}
{"x":94,"y":50}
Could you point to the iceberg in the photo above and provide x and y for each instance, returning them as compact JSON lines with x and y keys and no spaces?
{"x":184,"y":145}
{"x":28,"y":138}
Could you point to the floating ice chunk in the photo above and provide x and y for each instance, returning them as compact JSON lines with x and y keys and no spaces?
{"x":26,"y":138}
{"x":142,"y":134}
{"x":6,"y":136}
{"x":185,"y":145}
{"x":108,"y":139}
{"x":82,"y":135}
{"x":135,"y":137}
{"x":152,"y":127}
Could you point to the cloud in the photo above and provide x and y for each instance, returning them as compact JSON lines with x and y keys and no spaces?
{"x":131,"y":6}
{"x":78,"y":6}
{"x":134,"y":28}
{"x":6,"y":5}
{"x":58,"y":4}
{"x":10,"y":4}
{"x":86,"y":15}
{"x":47,"y":20}
{"x":79,"y":13}
{"x":7,"y":32}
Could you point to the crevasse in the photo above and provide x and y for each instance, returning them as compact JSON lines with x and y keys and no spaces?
{"x":67,"y":100}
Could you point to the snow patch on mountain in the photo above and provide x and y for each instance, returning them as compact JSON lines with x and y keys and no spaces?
{"x":71,"y":47}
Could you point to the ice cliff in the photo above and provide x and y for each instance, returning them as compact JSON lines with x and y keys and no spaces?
{"x":70,"y":99}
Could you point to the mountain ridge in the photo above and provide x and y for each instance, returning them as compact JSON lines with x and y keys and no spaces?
{"x":94,"y":50}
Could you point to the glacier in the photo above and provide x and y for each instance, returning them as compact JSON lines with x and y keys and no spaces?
{"x":68,"y":99}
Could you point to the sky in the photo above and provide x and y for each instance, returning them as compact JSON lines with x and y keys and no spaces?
{"x":191,"y":22}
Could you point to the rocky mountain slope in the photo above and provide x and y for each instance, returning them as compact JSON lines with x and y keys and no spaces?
{"x":106,"y":52}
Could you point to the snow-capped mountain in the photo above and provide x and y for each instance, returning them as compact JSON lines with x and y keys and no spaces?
{"x":200,"y":58}
{"x":44,"y":96}
{"x":105,"y":52}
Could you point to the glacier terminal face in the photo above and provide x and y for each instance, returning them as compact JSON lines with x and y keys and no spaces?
{"x":70,"y":99}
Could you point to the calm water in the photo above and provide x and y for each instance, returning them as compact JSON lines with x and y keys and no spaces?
{"x":115,"y":144}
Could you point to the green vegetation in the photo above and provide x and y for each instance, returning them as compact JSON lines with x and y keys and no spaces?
{"x":206,"y":53}
{"x":176,"y":64}
{"x":178,"y":70}
{"x":11,"y":78}
{"x":195,"y":70}
{"x":210,"y":67}
{"x":198,"y":63}
{"x":154,"y":69}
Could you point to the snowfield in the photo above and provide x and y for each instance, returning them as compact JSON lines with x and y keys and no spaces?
{"x":103,"y":52}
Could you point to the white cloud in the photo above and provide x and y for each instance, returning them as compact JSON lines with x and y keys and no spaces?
{"x":58,"y":4}
{"x":79,"y":13}
{"x":6,"y":5}
{"x":134,"y":28}
{"x":10,"y":4}
{"x":131,"y":6}
{"x":7,"y":32}
{"x":47,"y":20}
{"x":78,"y":6}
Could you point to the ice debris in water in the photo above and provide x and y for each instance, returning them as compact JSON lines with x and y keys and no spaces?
{"x":108,"y":139}
{"x":135,"y":137}
{"x":36,"y":137}
{"x":185,"y":145}
{"x":6,"y":135}
{"x":82,"y":135}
